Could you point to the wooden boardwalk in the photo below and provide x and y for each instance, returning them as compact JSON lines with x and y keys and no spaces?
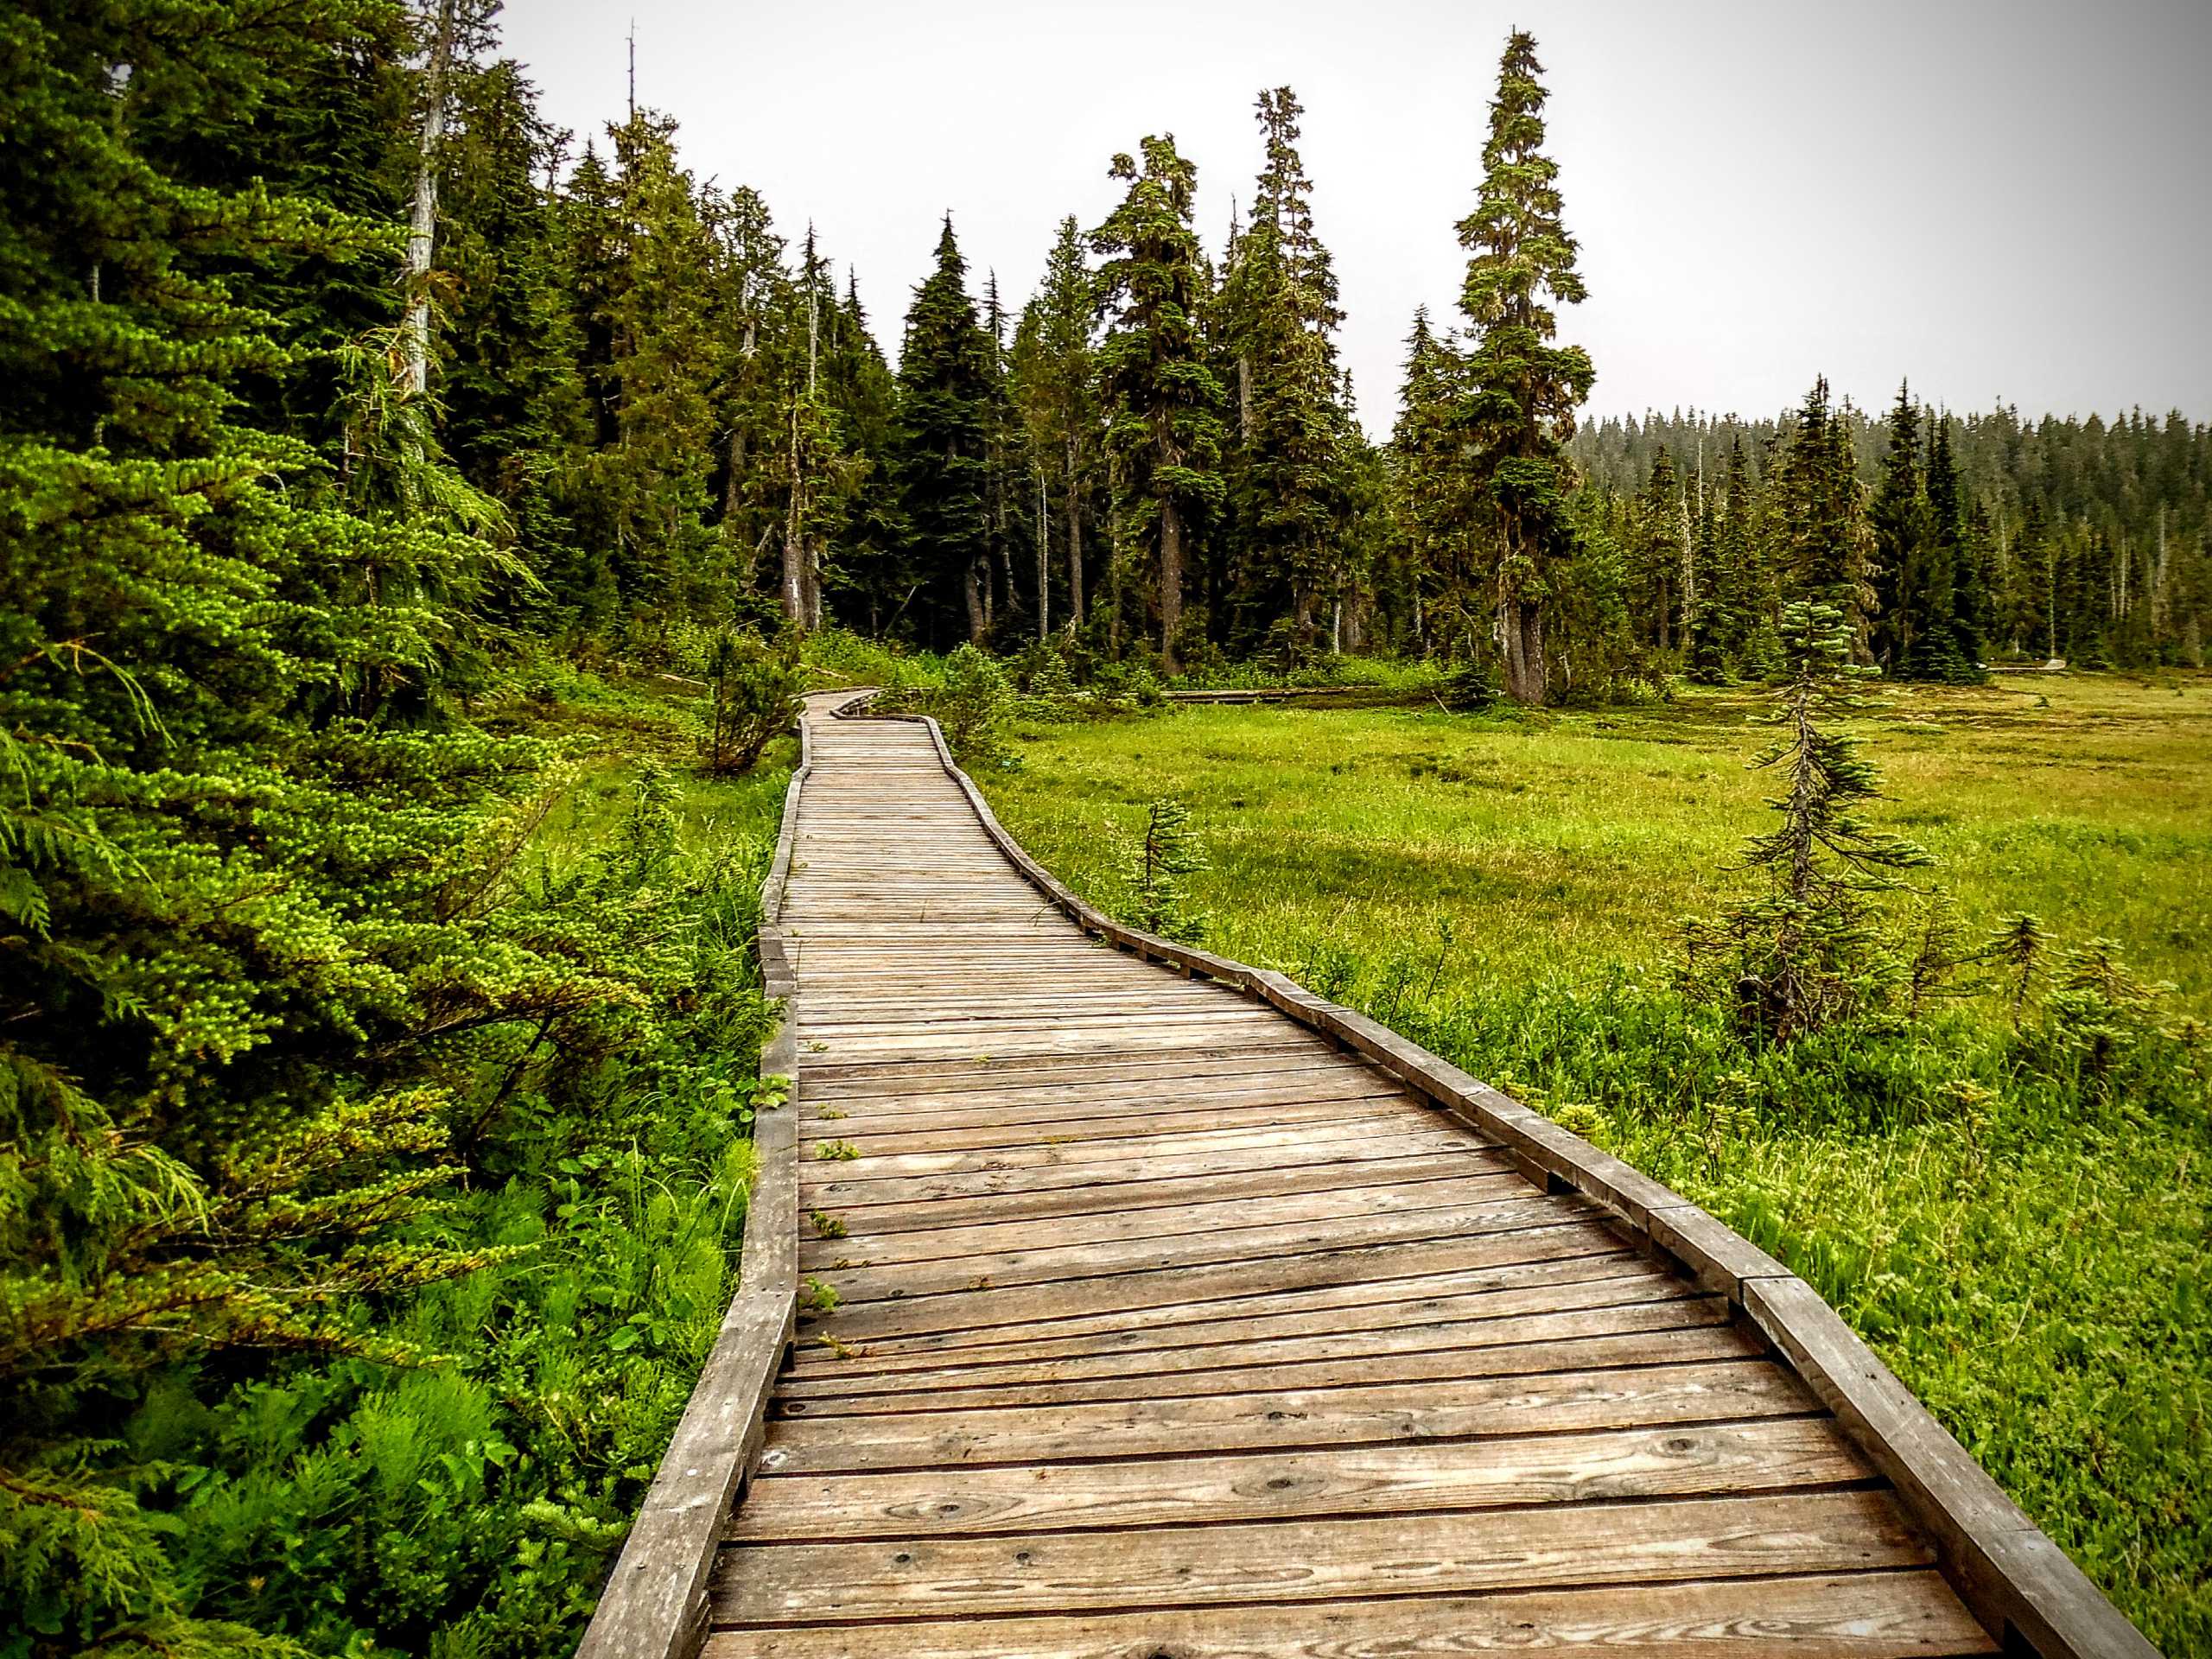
{"x":1169,"y":1329}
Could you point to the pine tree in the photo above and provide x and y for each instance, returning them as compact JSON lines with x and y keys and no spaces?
{"x":1054,"y":384}
{"x":1428,"y":501}
{"x":1290,"y":462}
{"x":656,"y":472}
{"x":1898,"y":523}
{"x":940,"y":458}
{"x":752,"y":306}
{"x":514,"y":413}
{"x":1162,"y":400}
{"x":861,"y":389}
{"x":1804,"y":951}
{"x":1826,"y":546}
{"x":1659,"y":552}
{"x":1523,"y":389}
{"x":229,"y":862}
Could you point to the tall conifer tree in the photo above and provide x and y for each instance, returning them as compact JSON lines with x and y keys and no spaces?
{"x":1162,"y":400}
{"x":939,"y":442}
{"x":1523,"y":389}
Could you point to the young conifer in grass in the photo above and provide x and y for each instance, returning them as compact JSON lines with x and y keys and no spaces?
{"x":1169,"y":851}
{"x":1806,"y":949}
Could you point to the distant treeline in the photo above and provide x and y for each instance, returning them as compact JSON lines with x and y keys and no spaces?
{"x":2077,"y":540}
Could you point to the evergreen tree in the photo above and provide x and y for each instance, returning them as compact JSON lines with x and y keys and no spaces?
{"x":655,"y":473}
{"x":233,"y":863}
{"x":859,"y":385}
{"x":1428,"y":502}
{"x":1291,"y":464}
{"x":1523,"y":389}
{"x":1660,"y":552}
{"x":1162,"y":400}
{"x":752,"y":306}
{"x":1898,"y":523}
{"x":1053,"y":382}
{"x":515,"y":416}
{"x":939,"y":442}
{"x":1820,"y":505}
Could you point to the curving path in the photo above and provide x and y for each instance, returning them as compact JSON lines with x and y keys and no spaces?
{"x":1169,"y":1328}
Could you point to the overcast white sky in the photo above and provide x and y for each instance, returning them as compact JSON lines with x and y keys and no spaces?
{"x":1998,"y":199}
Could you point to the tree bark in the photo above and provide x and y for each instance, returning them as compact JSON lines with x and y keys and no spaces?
{"x":1044,"y":559}
{"x":1075,"y":541}
{"x":1171,"y":580}
{"x":978,"y":618}
{"x":422,"y":230}
{"x":794,"y":545}
{"x":1521,"y":629}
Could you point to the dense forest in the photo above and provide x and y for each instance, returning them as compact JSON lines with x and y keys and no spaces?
{"x":364,"y":435}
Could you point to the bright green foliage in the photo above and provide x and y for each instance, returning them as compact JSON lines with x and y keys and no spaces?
{"x":938,"y":444}
{"x":1522,"y":389}
{"x":1167,"y":852}
{"x":364,"y":1194}
{"x":1806,"y":950}
{"x":972,"y":702}
{"x":1162,"y":400}
{"x":2023,"y":1245}
{"x":753,"y":692}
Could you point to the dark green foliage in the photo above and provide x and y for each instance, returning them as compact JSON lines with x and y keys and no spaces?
{"x":1052,"y":383}
{"x":1522,"y":389}
{"x":946,"y":379}
{"x":1287,"y":549}
{"x":2073,"y":539}
{"x":367,"y":1185}
{"x":1162,"y":400}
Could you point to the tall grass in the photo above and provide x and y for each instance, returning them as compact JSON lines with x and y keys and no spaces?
{"x":2017,"y":1226}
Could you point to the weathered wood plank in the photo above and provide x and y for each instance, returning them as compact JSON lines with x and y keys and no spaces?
{"x":1447,"y":1348}
{"x":1684,"y":1461}
{"x":1357,"y":1412}
{"x":1867,"y":1616}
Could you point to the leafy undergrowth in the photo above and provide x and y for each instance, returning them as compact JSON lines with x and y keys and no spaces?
{"x":454,"y":1475}
{"x":2016,"y":1219}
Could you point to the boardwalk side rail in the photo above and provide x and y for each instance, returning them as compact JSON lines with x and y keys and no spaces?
{"x":2024,"y":1589}
{"x":654,"y":1606}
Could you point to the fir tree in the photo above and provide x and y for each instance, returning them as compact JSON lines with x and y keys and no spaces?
{"x":1805,"y":948}
{"x":1821,"y":510}
{"x":939,"y":443}
{"x":1428,"y":500}
{"x":1523,"y":389}
{"x":1898,"y":522}
{"x":1162,"y":400}
{"x":1293,"y":477}
{"x":1053,"y":377}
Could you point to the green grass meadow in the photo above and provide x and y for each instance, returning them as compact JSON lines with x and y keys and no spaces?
{"x":2025,"y":1243}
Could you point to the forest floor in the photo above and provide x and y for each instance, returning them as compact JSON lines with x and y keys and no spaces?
{"x":2026,"y":1248}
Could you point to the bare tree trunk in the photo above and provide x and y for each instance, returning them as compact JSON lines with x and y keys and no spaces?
{"x":1171,"y":580}
{"x":978,"y":617}
{"x":1044,"y":559}
{"x":422,"y":230}
{"x":1075,"y":541}
{"x":1114,"y":573}
{"x":794,"y":546}
{"x":1521,"y":631}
